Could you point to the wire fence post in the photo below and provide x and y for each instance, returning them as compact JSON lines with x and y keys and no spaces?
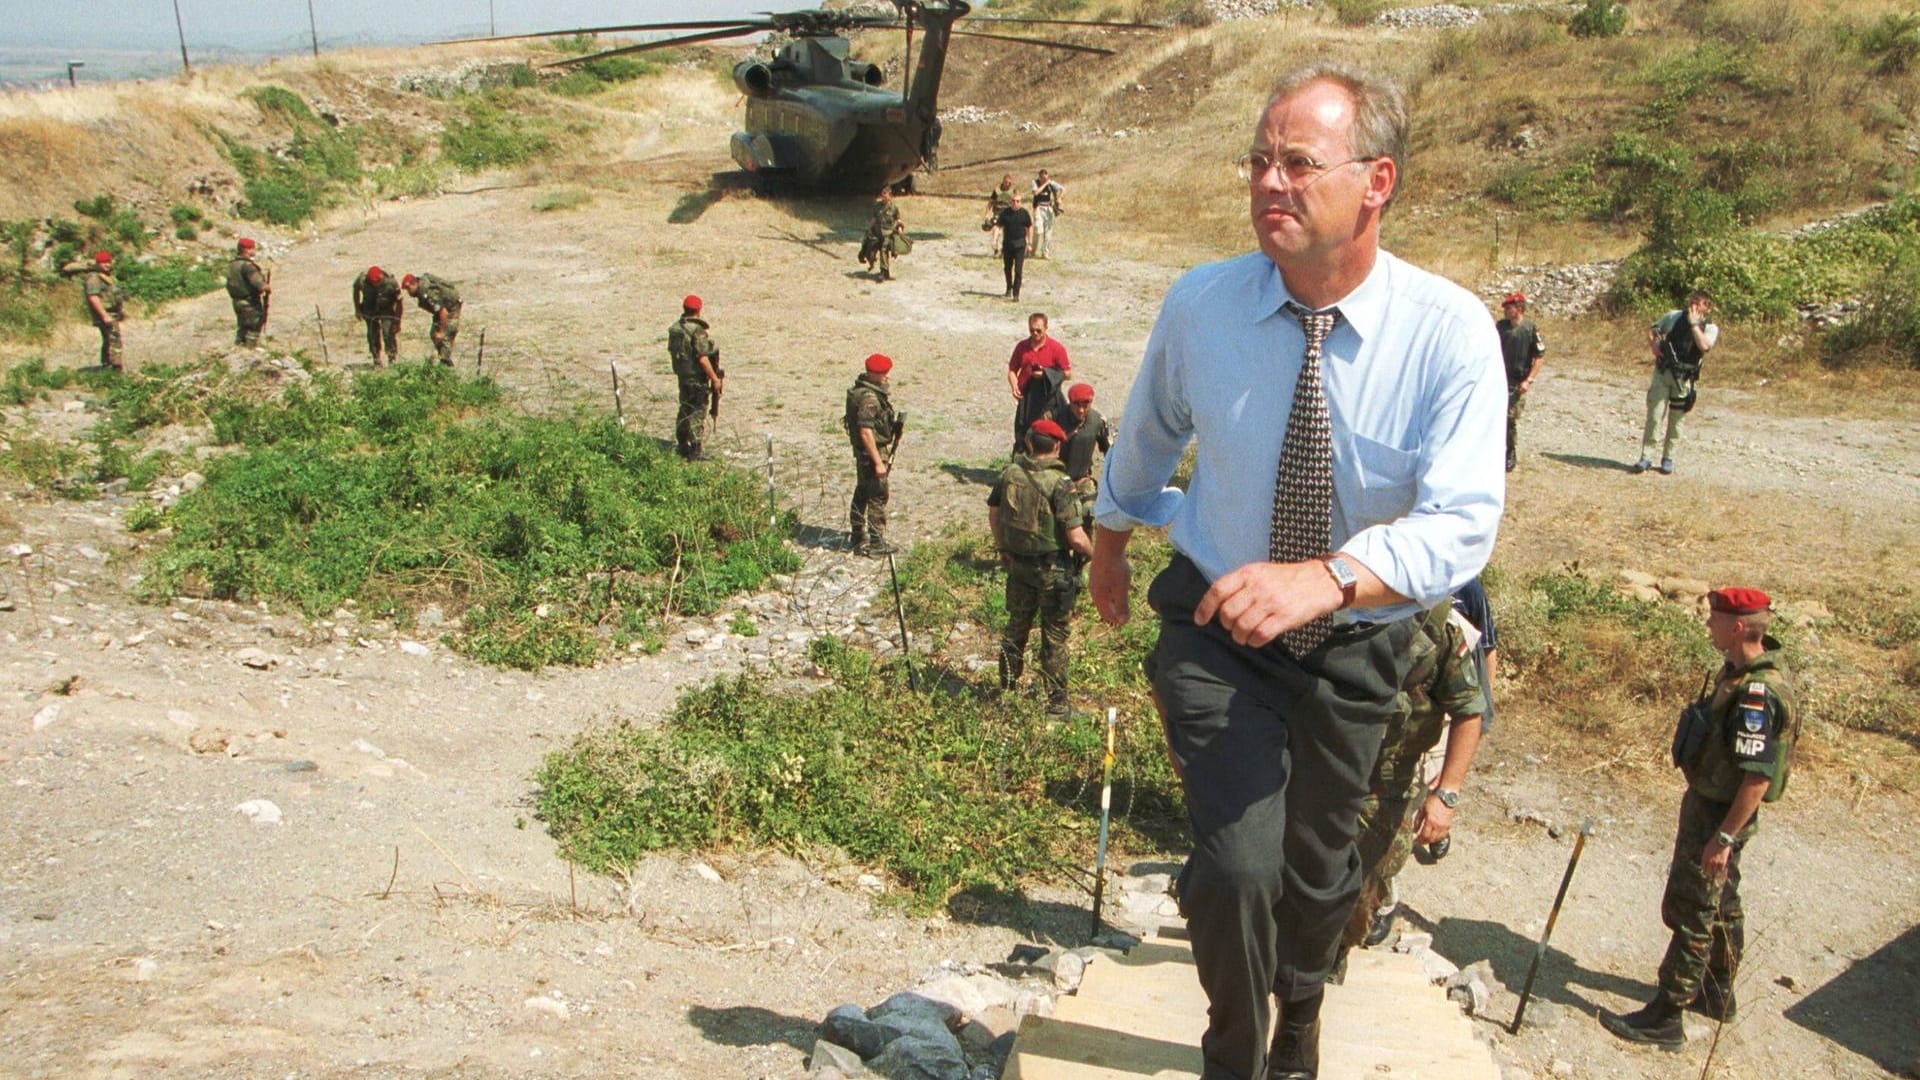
{"x":619,"y":414}
{"x":326,"y":355}
{"x":480,"y":357}
{"x":773,"y":514}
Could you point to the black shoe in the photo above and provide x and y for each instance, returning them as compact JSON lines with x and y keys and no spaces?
{"x":877,"y":548}
{"x":1295,"y":1054}
{"x":1658,"y":1024}
{"x":1714,"y":1004}
{"x":1378,"y":930}
{"x":1439,"y":848}
{"x":1640,"y":466}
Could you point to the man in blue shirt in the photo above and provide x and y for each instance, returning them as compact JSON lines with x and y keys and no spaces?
{"x":1330,"y":502}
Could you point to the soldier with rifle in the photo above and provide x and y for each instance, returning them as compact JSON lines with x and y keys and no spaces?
{"x":874,"y":429}
{"x":1039,"y":525}
{"x":106,"y":304}
{"x":251,"y":290}
{"x":696,"y":367}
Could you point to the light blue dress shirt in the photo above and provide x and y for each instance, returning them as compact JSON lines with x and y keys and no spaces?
{"x":1416,"y":392}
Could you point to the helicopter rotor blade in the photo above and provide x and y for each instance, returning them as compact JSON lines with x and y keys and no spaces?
{"x":1069,"y":22}
{"x":591,"y":31}
{"x":1037,"y":41}
{"x":664,"y":43}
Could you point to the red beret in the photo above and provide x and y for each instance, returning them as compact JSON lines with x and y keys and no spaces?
{"x":246,"y":244}
{"x":1080,"y":392}
{"x":1515,"y":298}
{"x":408,"y":281}
{"x":375,"y":275}
{"x":878,"y":364}
{"x":103,"y":257}
{"x":1737,"y":601}
{"x":691,"y":303}
{"x":1048,"y":428}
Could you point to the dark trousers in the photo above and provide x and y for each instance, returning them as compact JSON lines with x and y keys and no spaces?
{"x":1708,"y":923}
{"x":1043,"y":588}
{"x":867,"y":514}
{"x":1276,"y":754}
{"x":110,"y":355}
{"x":1014,"y":264}
{"x":248,"y":318}
{"x":1036,"y":402}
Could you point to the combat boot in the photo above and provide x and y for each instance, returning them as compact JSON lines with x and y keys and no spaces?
{"x":1713,"y":1002}
{"x":878,"y":547}
{"x":1658,"y":1024}
{"x":1295,"y":1053}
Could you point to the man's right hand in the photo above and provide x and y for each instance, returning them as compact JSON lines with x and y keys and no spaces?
{"x":881,"y":469}
{"x":1110,"y":579}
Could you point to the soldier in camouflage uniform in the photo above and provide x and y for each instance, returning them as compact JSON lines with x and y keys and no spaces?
{"x":1442,"y":692}
{"x":885,"y":234}
{"x":106,"y":305}
{"x":1038,"y":523}
{"x":874,"y":429}
{"x":1734,"y":745}
{"x":378,"y":302}
{"x":438,"y":297}
{"x":1087,"y":431}
{"x":251,"y":290}
{"x":696,"y":367}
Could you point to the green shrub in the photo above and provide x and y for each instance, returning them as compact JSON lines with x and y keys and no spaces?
{"x":30,"y":379}
{"x":1886,"y":329}
{"x":1892,"y":43}
{"x":26,"y":315}
{"x":286,"y":103}
{"x":490,"y":136}
{"x":556,"y":538}
{"x":116,"y":222}
{"x":1357,"y":12}
{"x":185,"y":232}
{"x":596,"y":75}
{"x":183,"y":214}
{"x":408,"y":179}
{"x":568,"y":198}
{"x":1598,"y":19}
{"x":176,"y":277}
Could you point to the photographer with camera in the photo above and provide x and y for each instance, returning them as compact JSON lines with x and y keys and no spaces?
{"x":1680,"y":340}
{"x":1734,"y":744}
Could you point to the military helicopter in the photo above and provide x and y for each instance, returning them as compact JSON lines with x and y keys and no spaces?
{"x":819,"y":118}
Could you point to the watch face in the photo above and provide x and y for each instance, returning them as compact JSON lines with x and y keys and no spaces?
{"x":1342,"y":572}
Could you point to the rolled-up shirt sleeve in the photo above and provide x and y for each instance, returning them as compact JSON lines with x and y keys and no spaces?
{"x":1447,"y":537}
{"x":1154,"y":431}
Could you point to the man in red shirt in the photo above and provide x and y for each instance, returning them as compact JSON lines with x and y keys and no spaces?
{"x":1035,"y":373}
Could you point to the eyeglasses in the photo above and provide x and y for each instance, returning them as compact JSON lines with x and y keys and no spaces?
{"x":1300,"y":169}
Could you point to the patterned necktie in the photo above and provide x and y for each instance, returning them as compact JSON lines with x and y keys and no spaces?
{"x":1303,"y":489}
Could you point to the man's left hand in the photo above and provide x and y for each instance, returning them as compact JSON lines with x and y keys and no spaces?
{"x":1261,"y":601}
{"x":1714,"y":859}
{"x":1434,"y":823}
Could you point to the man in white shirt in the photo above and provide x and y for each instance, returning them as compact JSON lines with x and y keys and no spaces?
{"x":1330,"y":502}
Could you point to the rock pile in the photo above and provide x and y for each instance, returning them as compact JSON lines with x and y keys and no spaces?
{"x":1229,"y":10}
{"x":970,"y":114}
{"x":1433,"y":17}
{"x":466,"y":78}
{"x":1570,"y":290}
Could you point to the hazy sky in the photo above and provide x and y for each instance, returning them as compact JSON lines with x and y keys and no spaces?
{"x":254,"y":25}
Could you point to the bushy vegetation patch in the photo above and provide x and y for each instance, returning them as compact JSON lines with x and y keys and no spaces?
{"x":491,"y":135}
{"x":597,"y":75}
{"x":554,"y":539}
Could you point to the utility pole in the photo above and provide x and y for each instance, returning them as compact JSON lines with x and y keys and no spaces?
{"x":491,"y":32}
{"x":71,"y":64}
{"x":313,"y":30}
{"x":185,"y":64}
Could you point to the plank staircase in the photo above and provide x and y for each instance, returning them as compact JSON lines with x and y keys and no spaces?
{"x":1141,"y":1017}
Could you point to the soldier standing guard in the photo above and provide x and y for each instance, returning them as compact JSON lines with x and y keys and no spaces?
{"x":1039,"y":526}
{"x":1522,"y":350}
{"x":1734,"y":744}
{"x":874,"y":428}
{"x":438,"y":297}
{"x":378,"y":302}
{"x":251,"y":290}
{"x":886,"y":236}
{"x":106,"y":304}
{"x":1087,"y":431}
{"x":696,"y":367}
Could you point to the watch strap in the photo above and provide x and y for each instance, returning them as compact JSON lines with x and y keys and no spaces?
{"x":1349,"y":585}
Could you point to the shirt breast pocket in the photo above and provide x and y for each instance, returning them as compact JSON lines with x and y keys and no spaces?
{"x":1382,"y":482}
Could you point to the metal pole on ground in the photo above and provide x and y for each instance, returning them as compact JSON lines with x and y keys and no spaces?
{"x":185,"y":64}
{"x":320,"y":320}
{"x":313,"y":31}
{"x":619,"y":414}
{"x":900,"y":612}
{"x":1106,"y":810}
{"x":773,"y":513}
{"x":1540,"y":952}
{"x":480,"y":357}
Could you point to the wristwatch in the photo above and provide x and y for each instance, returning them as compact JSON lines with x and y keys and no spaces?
{"x":1725,"y":839}
{"x":1343,"y":576}
{"x":1448,"y":799}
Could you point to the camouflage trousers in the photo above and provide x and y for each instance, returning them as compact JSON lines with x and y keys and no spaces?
{"x":110,"y":356}
{"x":383,"y":337}
{"x":867,"y":516}
{"x":1709,"y":927}
{"x":445,"y":328}
{"x":1516,"y":404}
{"x":248,"y":318}
{"x":690,"y":422}
{"x":1045,"y":588}
{"x":1385,"y":842}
